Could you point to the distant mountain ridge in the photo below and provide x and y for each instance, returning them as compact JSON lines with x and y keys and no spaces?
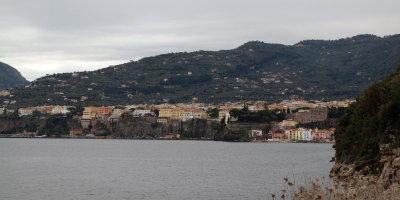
{"x":10,"y":77}
{"x":310,"y":69}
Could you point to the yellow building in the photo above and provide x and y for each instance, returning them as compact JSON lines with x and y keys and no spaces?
{"x":4,"y":93}
{"x":165,"y":112}
{"x":163,"y":120}
{"x":288,"y":124}
{"x":176,"y":114}
{"x":202,"y":114}
{"x":291,"y":134}
{"x":181,"y":114}
{"x":300,"y":134}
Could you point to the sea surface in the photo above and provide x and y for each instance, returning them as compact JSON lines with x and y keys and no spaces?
{"x":49,"y":169}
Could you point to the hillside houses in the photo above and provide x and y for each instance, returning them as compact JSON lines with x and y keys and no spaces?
{"x":142,"y":112}
{"x":193,"y":114}
{"x":97,"y":112}
{"x":2,"y":110}
{"x":289,"y":123}
{"x":51,"y":110}
{"x":4,"y":93}
{"x":280,"y":107}
{"x":193,"y":120}
{"x":182,"y":114}
{"x":224,"y":115}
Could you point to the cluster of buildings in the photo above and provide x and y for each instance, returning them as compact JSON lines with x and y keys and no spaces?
{"x":301,"y":134}
{"x":298,"y":112}
{"x":291,"y":130}
{"x":5,"y":111}
{"x":181,"y":114}
{"x":51,"y":110}
{"x":165,"y":114}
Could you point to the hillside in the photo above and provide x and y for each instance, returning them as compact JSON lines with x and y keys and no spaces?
{"x":311,"y":69}
{"x":368,"y":143}
{"x":370,"y":122}
{"x":10,"y":77}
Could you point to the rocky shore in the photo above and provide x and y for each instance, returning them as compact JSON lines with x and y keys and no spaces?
{"x":364,"y":184}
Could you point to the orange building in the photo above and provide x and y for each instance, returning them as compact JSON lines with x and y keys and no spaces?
{"x":96,"y":112}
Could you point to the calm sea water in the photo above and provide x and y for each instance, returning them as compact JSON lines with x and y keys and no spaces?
{"x":49,"y":169}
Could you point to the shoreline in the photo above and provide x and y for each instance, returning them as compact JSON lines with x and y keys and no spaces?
{"x":185,"y":139}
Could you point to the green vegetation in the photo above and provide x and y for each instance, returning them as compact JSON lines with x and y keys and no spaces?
{"x":195,"y":128}
{"x":102,"y":129}
{"x":314,"y":69}
{"x":334,"y":113}
{"x":237,"y":135}
{"x":11,"y":123}
{"x":327,"y":124}
{"x":264,"y":116}
{"x":213,"y":113}
{"x":372,"y":120}
{"x":10,"y":77}
{"x":50,"y":125}
{"x":55,"y":126}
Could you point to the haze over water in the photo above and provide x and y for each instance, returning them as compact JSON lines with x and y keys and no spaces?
{"x":137,"y":169}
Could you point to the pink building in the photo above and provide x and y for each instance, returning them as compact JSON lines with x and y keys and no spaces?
{"x":276,"y":135}
{"x":323,"y":134}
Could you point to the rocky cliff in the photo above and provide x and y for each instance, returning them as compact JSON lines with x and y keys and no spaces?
{"x":368,"y":141}
{"x":363,"y":184}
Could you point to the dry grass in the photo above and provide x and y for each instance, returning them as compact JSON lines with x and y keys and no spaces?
{"x":321,"y":189}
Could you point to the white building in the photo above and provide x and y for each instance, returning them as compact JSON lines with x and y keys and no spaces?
{"x":142,"y":113}
{"x":308,"y":135}
{"x":117,"y":113}
{"x":255,"y":133}
{"x":224,"y":114}
{"x":300,"y":134}
{"x":25,"y":111}
{"x":57,"y":110}
{"x":2,"y":111}
{"x":188,"y":115}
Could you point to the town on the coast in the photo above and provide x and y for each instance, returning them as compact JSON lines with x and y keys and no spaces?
{"x":287,"y":121}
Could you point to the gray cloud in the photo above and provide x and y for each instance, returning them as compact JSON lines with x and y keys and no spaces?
{"x":46,"y":36}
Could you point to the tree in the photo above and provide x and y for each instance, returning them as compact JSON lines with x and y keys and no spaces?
{"x":369,"y":122}
{"x":76,"y":111}
{"x":213,"y":112}
{"x":334,"y":112}
{"x":157,"y":112}
{"x":222,"y":123}
{"x":234,"y":112}
{"x":119,"y":107}
{"x":263,"y":116}
{"x":155,"y":125}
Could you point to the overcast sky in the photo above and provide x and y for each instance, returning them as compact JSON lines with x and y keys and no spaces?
{"x":40,"y":37}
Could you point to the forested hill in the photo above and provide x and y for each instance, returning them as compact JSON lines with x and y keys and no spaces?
{"x":10,"y":77}
{"x":372,"y":121}
{"x":311,"y":69}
